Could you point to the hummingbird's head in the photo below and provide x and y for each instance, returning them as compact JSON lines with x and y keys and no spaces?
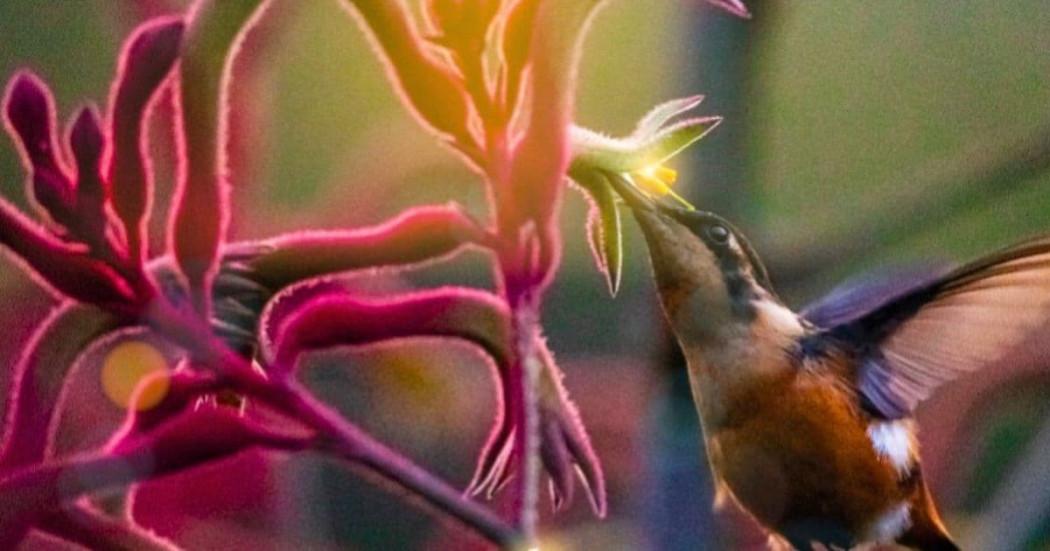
{"x":709,"y":278}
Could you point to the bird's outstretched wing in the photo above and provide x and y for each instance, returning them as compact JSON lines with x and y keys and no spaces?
{"x":859,"y":296}
{"x":959,"y":322}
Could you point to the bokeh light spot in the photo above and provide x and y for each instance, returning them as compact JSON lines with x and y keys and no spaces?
{"x":129,"y":364}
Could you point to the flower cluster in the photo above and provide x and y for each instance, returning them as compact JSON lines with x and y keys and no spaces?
{"x":91,"y":249}
{"x":638,"y":160}
{"x":228,"y":323}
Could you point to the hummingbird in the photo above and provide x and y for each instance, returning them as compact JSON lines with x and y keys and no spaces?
{"x":808,"y":416}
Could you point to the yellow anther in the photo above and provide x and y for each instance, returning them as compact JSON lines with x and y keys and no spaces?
{"x":666,"y":175}
{"x":657,"y":180}
{"x":652,"y":185}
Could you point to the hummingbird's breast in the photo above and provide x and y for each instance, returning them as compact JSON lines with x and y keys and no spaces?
{"x":797,"y":453}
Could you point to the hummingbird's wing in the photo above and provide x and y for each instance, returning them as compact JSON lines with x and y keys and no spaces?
{"x":859,"y":296}
{"x":969,"y":318}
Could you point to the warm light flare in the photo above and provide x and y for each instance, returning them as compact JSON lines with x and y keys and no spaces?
{"x":660,"y":172}
{"x":657,"y":180}
{"x":124,"y":370}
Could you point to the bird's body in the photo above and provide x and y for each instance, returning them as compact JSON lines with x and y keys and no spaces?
{"x":788,"y":439}
{"x":794,"y":447}
{"x":807,"y":416}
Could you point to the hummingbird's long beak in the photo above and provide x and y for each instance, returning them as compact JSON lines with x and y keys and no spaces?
{"x":681,"y":262}
{"x":670,"y":244}
{"x":632,"y":195}
{"x":653,"y":216}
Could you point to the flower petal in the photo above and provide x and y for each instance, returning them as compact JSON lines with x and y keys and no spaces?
{"x":557,"y":461}
{"x":604,"y":227}
{"x":735,"y":7}
{"x":612,"y":237}
{"x":564,"y":447}
{"x":659,"y":115}
{"x":557,"y":410}
{"x":671,"y":140}
{"x":595,"y":151}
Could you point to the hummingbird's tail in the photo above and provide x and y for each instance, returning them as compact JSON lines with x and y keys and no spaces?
{"x":927,"y":531}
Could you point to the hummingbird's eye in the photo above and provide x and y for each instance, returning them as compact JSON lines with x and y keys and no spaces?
{"x":718,"y":234}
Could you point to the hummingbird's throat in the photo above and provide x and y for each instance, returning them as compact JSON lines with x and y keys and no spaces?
{"x":721,"y":344}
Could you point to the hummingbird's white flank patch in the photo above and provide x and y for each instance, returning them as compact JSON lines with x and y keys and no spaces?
{"x":888,"y":526}
{"x":892,"y":440}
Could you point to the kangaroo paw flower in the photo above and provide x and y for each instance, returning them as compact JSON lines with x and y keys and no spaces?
{"x":638,"y":159}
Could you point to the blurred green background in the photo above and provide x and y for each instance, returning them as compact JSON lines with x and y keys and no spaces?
{"x":858,"y":134}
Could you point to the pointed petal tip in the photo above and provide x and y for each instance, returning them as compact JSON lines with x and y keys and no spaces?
{"x":659,"y":116}
{"x":87,"y":118}
{"x":734,"y":7}
{"x":492,"y":463}
{"x":613,"y":276}
{"x":151,"y":51}
{"x":595,"y":489}
{"x":557,"y":461}
{"x":85,"y":134}
{"x":710,"y":121}
{"x":557,"y":501}
{"x":693,"y":101}
{"x":28,"y":104}
{"x":159,"y":36}
{"x":26,"y":84}
{"x":686,"y":104}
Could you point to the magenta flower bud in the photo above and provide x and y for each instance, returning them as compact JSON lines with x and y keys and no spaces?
{"x":421,"y":234}
{"x":62,"y":268}
{"x":30,"y":115}
{"x":147,"y":59}
{"x":339,"y":319}
{"x":87,"y":143}
{"x":30,"y":112}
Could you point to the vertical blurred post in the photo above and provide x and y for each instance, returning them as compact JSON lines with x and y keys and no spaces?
{"x":720,"y":56}
{"x":1018,"y":511}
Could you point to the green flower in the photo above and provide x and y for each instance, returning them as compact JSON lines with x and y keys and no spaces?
{"x":638,"y":159}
